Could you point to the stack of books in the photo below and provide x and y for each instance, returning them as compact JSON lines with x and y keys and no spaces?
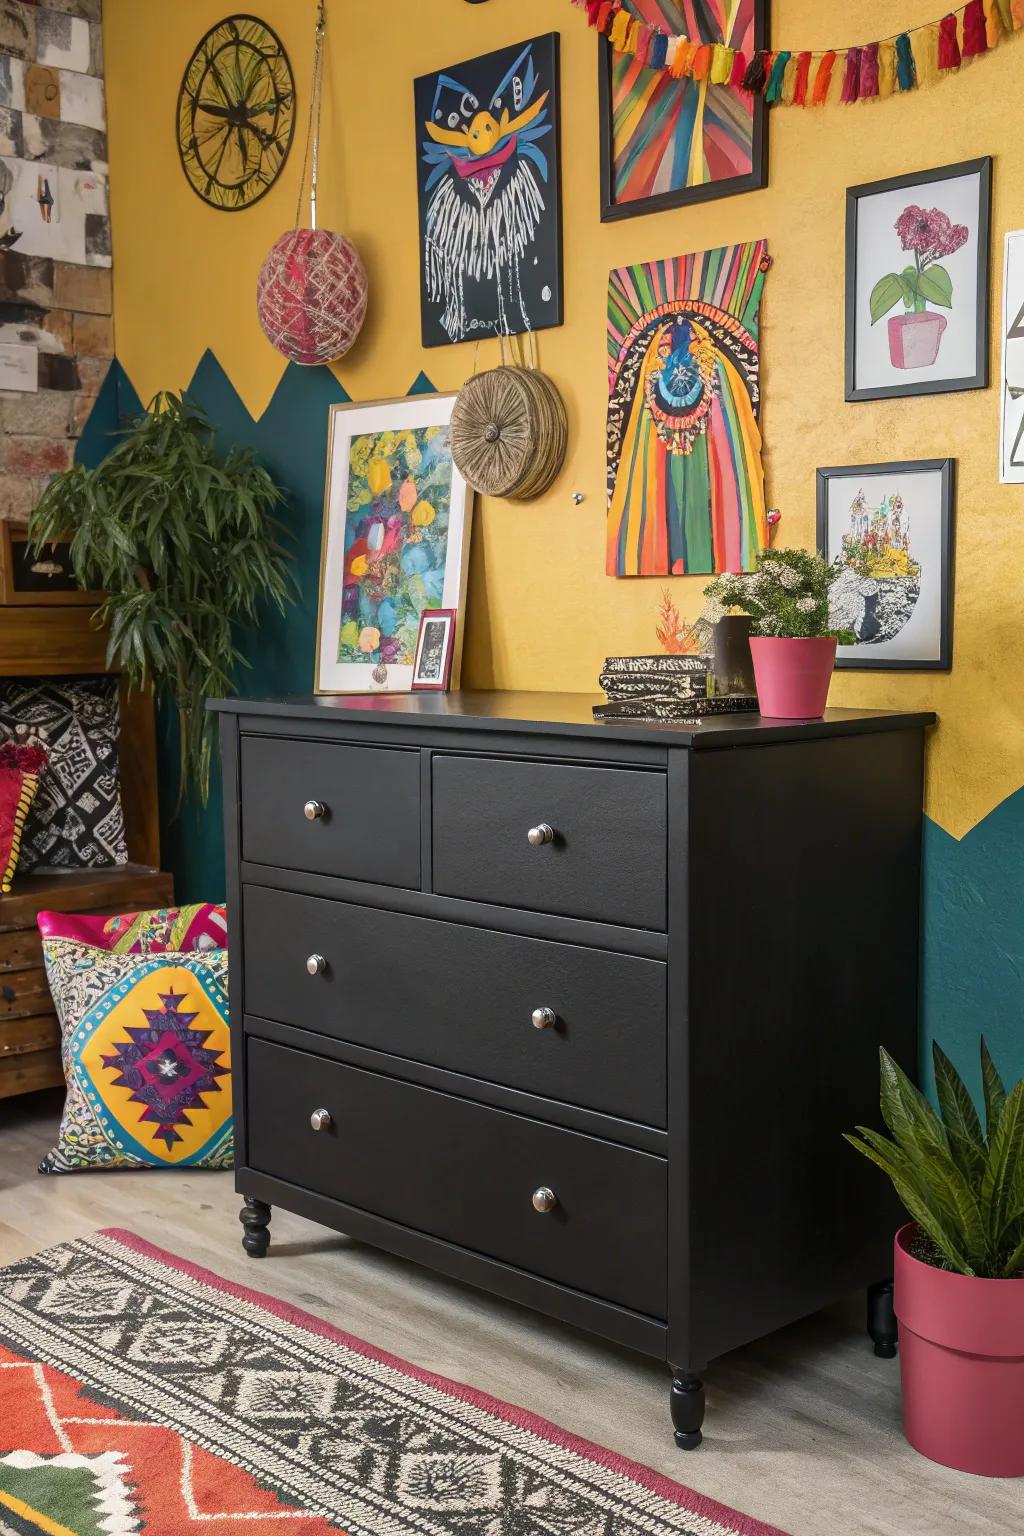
{"x":656,"y":688}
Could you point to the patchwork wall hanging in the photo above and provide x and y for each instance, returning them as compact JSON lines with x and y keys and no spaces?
{"x":490,"y":217}
{"x":685,"y":479}
{"x":670,"y":139}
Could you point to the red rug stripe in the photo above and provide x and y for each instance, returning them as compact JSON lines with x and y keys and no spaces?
{"x":646,"y":1477}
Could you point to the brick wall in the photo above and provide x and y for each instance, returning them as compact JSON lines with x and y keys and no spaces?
{"x":56,"y":330}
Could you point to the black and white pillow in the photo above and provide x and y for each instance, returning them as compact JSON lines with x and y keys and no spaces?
{"x":76,"y":820}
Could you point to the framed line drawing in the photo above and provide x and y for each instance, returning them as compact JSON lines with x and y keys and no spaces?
{"x":1011,"y":409}
{"x":917,"y":261}
{"x":395,"y":542}
{"x":891,"y":527}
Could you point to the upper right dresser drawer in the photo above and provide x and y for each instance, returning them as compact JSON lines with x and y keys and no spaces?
{"x":581,"y":842}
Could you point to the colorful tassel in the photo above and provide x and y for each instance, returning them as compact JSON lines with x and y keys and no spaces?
{"x":633,"y":36}
{"x":823,"y":79}
{"x":773,"y":90}
{"x":739,"y":69}
{"x":604,"y":12}
{"x":886,"y":67}
{"x":924,"y":42}
{"x":682,"y":64}
{"x":702,"y":61}
{"x":644,"y":39}
{"x":851,"y":80}
{"x":721,"y":65}
{"x":659,"y":51}
{"x":867,"y":85}
{"x":593,"y":6}
{"x":756,"y":76}
{"x":993,"y":23}
{"x":619,"y":30}
{"x":975,"y":41}
{"x":803,"y":70}
{"x":789,"y":81}
{"x":1017,"y":12}
{"x":906,"y":74}
{"x":670,"y":52}
{"x":949,"y":47}
{"x":1005,"y":14}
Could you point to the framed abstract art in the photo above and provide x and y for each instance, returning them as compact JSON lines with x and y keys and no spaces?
{"x":917,"y":260}
{"x":395,"y":541}
{"x":891,"y":527}
{"x":490,"y":208}
{"x":667,"y":142}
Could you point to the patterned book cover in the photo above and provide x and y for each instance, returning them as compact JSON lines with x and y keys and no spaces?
{"x":659,"y":663}
{"x":676,"y":709}
{"x":621,"y":685}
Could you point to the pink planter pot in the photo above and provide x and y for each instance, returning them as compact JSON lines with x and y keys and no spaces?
{"x":914,"y":339}
{"x":961,"y":1364}
{"x":793,"y":676}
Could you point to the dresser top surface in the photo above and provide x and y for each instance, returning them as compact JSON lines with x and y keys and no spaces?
{"x":563,"y":714}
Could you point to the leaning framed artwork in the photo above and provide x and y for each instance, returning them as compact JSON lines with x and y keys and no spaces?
{"x":665,"y":141}
{"x":490,"y":208}
{"x":396,"y":541}
{"x":891,"y":528}
{"x":917,"y":260}
{"x":1011,"y":420}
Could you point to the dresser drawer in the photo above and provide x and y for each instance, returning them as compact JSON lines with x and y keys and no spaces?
{"x":605,"y":859}
{"x":464,"y":1173}
{"x":368,"y":826}
{"x":464,"y":998}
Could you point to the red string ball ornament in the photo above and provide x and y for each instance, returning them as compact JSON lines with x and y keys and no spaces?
{"x":311,"y":295}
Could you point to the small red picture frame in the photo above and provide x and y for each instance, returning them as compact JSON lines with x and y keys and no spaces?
{"x":435,"y":650}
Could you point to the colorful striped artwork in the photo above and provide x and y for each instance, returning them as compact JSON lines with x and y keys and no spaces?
{"x":671,"y":134}
{"x":685,"y":479}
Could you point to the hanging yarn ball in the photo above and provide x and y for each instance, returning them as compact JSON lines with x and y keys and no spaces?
{"x":311,"y":295}
{"x":509,"y":433}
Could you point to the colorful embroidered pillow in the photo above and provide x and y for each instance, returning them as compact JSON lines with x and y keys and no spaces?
{"x":20,"y":768}
{"x":147,"y":1058}
{"x":198,"y":927}
{"x":76,"y":821}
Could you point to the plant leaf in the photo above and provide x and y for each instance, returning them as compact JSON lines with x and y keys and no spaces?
{"x":966,"y":1139}
{"x":1006,"y":1150}
{"x":886,"y":293}
{"x":935,"y":285}
{"x":995,"y":1093}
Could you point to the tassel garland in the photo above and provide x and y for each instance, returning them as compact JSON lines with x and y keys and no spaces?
{"x":868,"y":83}
{"x":823,"y":79}
{"x":949,"y":48}
{"x":803,"y":70}
{"x":975,"y":40}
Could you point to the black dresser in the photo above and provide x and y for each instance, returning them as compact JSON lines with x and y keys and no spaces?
{"x":577,"y":1013}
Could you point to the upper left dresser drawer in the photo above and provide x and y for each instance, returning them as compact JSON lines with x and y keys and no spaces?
{"x":332,"y":809}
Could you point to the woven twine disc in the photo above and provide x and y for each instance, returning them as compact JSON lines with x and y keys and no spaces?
{"x":509,"y":432}
{"x":311,"y":295}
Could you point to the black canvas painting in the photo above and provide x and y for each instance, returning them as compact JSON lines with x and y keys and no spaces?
{"x":490,"y":195}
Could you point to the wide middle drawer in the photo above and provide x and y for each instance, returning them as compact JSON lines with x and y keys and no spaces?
{"x":572,"y":1208}
{"x":581,"y":1025}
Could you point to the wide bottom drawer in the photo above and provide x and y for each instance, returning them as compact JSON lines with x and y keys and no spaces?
{"x":469,"y":1174}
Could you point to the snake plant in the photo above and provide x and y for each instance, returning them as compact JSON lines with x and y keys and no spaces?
{"x":962,"y":1184}
{"x":183,"y":542}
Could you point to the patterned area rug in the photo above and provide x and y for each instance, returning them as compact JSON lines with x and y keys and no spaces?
{"x":140,"y":1394}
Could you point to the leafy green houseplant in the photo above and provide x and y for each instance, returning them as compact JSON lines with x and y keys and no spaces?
{"x":184,"y":543}
{"x":959,"y":1264}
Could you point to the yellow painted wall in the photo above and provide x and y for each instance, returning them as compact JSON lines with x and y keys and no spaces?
{"x":542,"y":614}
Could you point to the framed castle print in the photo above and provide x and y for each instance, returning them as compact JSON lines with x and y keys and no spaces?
{"x":395,"y":542}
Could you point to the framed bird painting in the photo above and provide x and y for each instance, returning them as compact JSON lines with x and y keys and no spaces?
{"x":490,"y":209}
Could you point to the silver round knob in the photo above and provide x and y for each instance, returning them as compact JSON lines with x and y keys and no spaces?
{"x":544,"y":1018}
{"x":316,"y":965}
{"x":320,"y":1120}
{"x":314,"y":809}
{"x":544,"y":1199}
{"x":539,"y":835}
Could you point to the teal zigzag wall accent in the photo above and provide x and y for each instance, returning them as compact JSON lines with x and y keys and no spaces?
{"x":973,"y":932}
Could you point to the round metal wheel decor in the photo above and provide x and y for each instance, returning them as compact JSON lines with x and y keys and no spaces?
{"x":236,"y":113}
{"x":509,"y":433}
{"x":311,"y":295}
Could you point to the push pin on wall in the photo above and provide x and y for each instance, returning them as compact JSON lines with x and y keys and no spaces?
{"x":577,"y":497}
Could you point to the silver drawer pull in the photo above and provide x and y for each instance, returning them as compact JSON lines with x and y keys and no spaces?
{"x":316,"y":965}
{"x":544,"y":1200}
{"x":538,"y":836}
{"x":320,"y":1120}
{"x":544,"y":1018}
{"x":313,"y":810}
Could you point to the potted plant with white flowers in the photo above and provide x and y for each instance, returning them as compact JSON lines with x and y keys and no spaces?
{"x":792,"y":642}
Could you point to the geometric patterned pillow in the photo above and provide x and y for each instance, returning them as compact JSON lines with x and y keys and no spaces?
{"x":76,"y":821}
{"x":200,"y":926}
{"x":147,"y":1059}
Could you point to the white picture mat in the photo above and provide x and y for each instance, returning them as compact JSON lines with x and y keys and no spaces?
{"x":920,"y":639}
{"x":879,"y":251}
{"x":1011,"y":413}
{"x":347,"y":423}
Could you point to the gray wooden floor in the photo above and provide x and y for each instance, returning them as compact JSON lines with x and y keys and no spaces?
{"x":803,"y":1429}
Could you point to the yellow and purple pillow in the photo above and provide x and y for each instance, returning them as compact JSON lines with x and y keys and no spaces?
{"x":200,"y":927}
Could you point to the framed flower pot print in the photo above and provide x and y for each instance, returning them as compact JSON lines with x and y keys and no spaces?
{"x":668,"y":141}
{"x":395,"y":542}
{"x":917,"y":260}
{"x":891,"y":528}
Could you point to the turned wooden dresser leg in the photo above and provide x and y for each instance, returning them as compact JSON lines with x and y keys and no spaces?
{"x":687,"y":1403}
{"x":255,"y":1218}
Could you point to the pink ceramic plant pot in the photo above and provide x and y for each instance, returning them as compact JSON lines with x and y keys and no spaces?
{"x":793,"y":676}
{"x":914,"y":339}
{"x":961,"y":1364}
